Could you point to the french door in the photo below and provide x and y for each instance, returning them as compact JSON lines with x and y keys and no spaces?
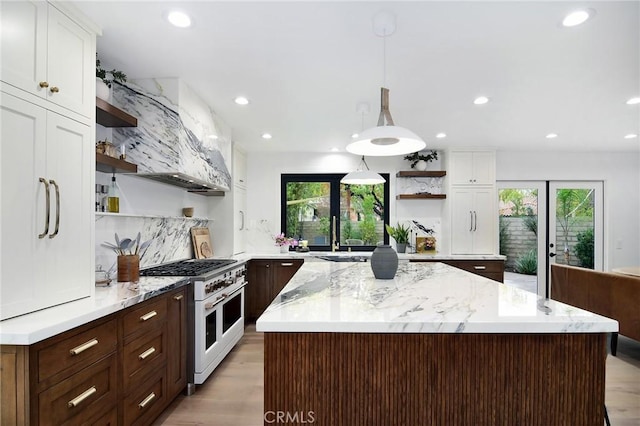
{"x":546,"y":222}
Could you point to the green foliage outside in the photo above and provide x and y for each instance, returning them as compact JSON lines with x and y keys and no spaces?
{"x":528,"y":263}
{"x":584,"y":248}
{"x":570,"y":204}
{"x":300,"y":197}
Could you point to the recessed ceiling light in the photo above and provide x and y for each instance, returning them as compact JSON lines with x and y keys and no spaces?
{"x":241,"y":100}
{"x":578,"y":17}
{"x":179,"y":19}
{"x":631,"y":136}
{"x":441,"y":135}
{"x":355,"y":135}
{"x":551,"y":136}
{"x":213,"y":137}
{"x":266,"y":136}
{"x":481,"y":100}
{"x":633,"y":101}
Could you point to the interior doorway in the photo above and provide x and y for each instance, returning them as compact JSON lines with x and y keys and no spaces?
{"x":546,"y":222}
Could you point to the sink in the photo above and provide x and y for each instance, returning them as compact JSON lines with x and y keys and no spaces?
{"x":342,"y":258}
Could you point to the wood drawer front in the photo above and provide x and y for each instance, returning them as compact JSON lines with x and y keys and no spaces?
{"x":76,"y":352}
{"x":477,"y":266}
{"x":93,"y":390}
{"x":149,"y":315}
{"x":143,"y":355}
{"x":110,"y":418}
{"x":145,"y":402}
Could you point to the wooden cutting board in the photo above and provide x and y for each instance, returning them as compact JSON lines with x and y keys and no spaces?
{"x":202,"y":248}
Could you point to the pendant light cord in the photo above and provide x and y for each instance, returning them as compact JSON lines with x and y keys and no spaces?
{"x":384,"y":59}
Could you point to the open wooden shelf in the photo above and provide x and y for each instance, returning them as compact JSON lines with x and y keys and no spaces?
{"x":107,"y":164}
{"x":416,"y":173}
{"x":421,"y":196}
{"x":108,"y":115}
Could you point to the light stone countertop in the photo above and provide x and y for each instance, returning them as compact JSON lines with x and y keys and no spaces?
{"x":422,"y":298}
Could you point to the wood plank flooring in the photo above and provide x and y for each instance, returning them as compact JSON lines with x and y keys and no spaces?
{"x":232,"y":396}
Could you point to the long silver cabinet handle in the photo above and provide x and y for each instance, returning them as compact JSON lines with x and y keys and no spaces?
{"x":55,"y":231}
{"x":147,"y":400}
{"x":475,"y":221}
{"x":470,"y":221}
{"x":241,"y":223}
{"x":83,"y":347}
{"x":146,"y":353}
{"x":148,"y":316}
{"x":84,"y":395}
{"x":479,"y":268}
{"x":287,"y":264}
{"x":48,"y":208}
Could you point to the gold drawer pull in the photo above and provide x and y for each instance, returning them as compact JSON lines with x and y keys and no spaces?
{"x":479,"y":268}
{"x":146,"y":353}
{"x":287,"y":264}
{"x":84,"y":395}
{"x":148,"y":316}
{"x":146,"y":400}
{"x":44,"y":84}
{"x":177,"y":297}
{"x":54,"y":89}
{"x":83,"y":347}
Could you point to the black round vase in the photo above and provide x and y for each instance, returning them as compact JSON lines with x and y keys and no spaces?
{"x":384,"y":262}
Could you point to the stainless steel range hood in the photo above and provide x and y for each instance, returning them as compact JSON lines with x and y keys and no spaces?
{"x":189,"y":183}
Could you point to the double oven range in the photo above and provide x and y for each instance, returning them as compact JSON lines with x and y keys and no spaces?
{"x":217,"y":323}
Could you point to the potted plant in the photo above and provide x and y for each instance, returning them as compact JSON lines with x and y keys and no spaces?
{"x":419,"y":161}
{"x":104,"y":80}
{"x":400,"y":233}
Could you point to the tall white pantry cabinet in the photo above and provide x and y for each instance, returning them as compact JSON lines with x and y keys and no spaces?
{"x":47,"y":115}
{"x":473,"y":202}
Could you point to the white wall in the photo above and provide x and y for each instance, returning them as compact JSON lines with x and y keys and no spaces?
{"x":620,"y":172}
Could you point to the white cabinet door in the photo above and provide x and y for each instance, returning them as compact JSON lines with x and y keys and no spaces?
{"x":47,"y":251}
{"x":239,"y":219}
{"x":48,"y":55}
{"x":239,"y":168}
{"x":473,"y":221}
{"x":472,"y":167}
{"x":22,"y":195}
{"x":23,"y":26}
{"x":69,"y":255}
{"x":70,"y":54}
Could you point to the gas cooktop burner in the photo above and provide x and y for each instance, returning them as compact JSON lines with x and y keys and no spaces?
{"x":186,"y":268}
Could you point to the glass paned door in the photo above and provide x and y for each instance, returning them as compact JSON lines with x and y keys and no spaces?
{"x":361,"y":215}
{"x":308,"y":211}
{"x":575,"y":224}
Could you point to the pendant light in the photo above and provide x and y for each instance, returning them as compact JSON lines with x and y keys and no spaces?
{"x":362,"y":176}
{"x":386,"y":139}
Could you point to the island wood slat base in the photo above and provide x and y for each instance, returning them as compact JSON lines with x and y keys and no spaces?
{"x":353,"y":379}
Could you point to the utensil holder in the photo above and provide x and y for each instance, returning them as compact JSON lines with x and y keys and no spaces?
{"x":129,"y":268}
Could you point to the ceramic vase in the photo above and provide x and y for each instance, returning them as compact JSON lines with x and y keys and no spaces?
{"x":401,"y":247}
{"x":384,"y":262}
{"x":284,"y":249}
{"x":421,"y":165}
{"x":129,"y":268}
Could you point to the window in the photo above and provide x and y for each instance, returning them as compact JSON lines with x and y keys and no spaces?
{"x":320,"y":209}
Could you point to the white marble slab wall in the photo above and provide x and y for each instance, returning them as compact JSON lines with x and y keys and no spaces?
{"x":171,"y":237}
{"x":177,"y":131}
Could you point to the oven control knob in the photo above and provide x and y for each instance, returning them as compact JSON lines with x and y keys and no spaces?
{"x":230,"y":281}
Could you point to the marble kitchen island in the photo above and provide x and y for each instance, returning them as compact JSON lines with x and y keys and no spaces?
{"x":435,"y":345}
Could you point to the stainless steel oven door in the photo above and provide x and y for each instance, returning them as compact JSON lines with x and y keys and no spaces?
{"x":218,"y":327}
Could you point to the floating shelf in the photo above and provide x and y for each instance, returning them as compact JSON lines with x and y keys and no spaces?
{"x":421,"y":196}
{"x":412,"y":173}
{"x":107,"y":164}
{"x":108,"y":115}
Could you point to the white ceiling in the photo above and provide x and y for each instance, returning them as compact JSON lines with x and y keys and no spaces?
{"x":305,"y":66}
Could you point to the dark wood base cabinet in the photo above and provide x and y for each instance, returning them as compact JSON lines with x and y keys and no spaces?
{"x":492,"y":269}
{"x":123,"y":369}
{"x":266,"y":279}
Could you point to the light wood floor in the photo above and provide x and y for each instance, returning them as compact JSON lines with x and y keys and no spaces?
{"x":232,"y":396}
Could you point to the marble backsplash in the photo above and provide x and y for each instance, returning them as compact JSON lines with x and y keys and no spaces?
{"x":170,"y":237}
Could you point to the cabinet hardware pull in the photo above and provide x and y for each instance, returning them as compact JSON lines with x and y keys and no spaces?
{"x":242,"y":222}
{"x":47,"y":208}
{"x":146,"y":353}
{"x":177,"y":297}
{"x":55,"y":231}
{"x":146,"y":400}
{"x":44,"y":84}
{"x":54,"y":89}
{"x":287,"y":264}
{"x":475,"y":221}
{"x":479,"y":268}
{"x":84,"y":395}
{"x":470,"y":221}
{"x":83,"y":347}
{"x":148,"y":316}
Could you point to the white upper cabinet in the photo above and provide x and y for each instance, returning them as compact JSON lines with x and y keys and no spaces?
{"x":47,"y":55}
{"x":472,"y":168}
{"x":239,"y":168}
